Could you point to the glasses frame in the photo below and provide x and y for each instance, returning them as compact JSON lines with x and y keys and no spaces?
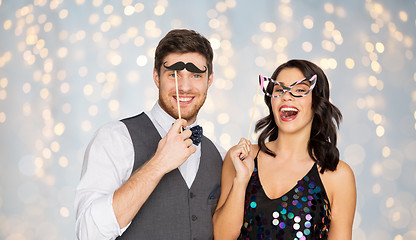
{"x":287,"y":89}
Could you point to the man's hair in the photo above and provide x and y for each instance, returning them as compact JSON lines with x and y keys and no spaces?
{"x":183,"y":41}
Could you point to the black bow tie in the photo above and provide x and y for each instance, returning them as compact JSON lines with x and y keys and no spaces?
{"x":196,"y":134}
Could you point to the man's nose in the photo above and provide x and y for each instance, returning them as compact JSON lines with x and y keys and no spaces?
{"x":184,"y":81}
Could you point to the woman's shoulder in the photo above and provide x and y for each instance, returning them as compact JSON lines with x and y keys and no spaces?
{"x":342,"y":173}
{"x":341,"y":179}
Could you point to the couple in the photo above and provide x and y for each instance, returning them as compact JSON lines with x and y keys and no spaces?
{"x":153,"y":176}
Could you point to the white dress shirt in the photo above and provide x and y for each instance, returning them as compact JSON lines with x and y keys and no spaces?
{"x":108,"y":164}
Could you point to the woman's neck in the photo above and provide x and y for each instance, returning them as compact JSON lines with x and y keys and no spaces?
{"x":291,"y":146}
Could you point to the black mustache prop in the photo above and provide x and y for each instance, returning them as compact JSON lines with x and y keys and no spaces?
{"x":188,"y":66}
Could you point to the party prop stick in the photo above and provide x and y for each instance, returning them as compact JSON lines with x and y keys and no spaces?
{"x":177,"y":96}
{"x":252,"y":114}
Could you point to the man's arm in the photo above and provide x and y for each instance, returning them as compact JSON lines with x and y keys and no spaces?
{"x":172,"y":151}
{"x":106,"y":198}
{"x":108,"y":162}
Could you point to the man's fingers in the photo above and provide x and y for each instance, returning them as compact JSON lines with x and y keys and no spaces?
{"x":186,"y":134}
{"x":177,"y":125}
{"x":188,"y":142}
{"x":192,"y":149}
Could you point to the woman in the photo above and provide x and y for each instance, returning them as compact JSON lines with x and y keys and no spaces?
{"x":291,"y":185}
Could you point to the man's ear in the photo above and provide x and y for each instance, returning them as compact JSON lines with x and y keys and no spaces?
{"x":156,"y":78}
{"x":210,"y":79}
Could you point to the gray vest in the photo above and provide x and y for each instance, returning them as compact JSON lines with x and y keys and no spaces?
{"x":173,"y":211}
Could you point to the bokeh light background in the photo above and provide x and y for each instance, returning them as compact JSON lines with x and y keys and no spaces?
{"x":68,"y":67}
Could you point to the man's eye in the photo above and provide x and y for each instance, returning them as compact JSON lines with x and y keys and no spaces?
{"x":197,"y":76}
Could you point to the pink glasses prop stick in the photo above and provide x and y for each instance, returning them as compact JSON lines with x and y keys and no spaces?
{"x":177,"y":96}
{"x":252,"y":115}
{"x":254,"y":108}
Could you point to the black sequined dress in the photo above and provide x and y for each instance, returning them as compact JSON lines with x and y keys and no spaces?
{"x":300,"y":214}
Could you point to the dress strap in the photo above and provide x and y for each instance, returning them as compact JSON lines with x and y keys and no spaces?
{"x":255,"y":159}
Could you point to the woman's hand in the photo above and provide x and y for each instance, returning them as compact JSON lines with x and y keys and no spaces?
{"x":243,"y":160}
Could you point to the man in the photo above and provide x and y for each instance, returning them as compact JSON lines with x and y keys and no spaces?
{"x":143,"y":177}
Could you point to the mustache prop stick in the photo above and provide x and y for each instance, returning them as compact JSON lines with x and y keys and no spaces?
{"x":177,"y":96}
{"x":178,"y":66}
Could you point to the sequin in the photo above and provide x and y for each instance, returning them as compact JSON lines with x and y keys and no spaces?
{"x":296,"y":226}
{"x":302,"y":213}
{"x":275,"y":214}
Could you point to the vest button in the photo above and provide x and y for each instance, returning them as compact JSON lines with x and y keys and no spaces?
{"x":191,"y":195}
{"x":194,"y":218}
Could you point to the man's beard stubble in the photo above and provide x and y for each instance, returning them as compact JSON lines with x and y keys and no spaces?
{"x":173,"y":111}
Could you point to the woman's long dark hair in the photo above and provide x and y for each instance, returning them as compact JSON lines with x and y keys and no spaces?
{"x":322,"y":145}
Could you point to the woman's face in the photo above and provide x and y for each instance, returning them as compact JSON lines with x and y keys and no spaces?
{"x":292,"y":114}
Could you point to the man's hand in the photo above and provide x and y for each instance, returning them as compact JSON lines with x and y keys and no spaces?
{"x":174,"y":148}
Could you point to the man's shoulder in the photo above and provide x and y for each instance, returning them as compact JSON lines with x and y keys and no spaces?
{"x":137,"y":117}
{"x":112,"y":126}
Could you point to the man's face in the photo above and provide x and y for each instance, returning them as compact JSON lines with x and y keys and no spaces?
{"x":192,"y":87}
